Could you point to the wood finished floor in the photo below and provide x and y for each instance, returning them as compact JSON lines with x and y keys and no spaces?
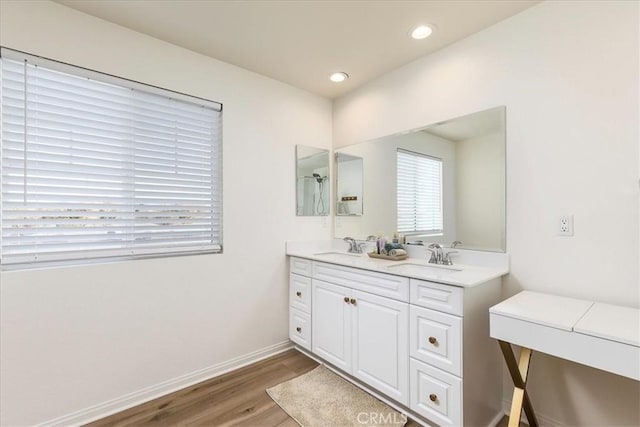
{"x":234,"y":399}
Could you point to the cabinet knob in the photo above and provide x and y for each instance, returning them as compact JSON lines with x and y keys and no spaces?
{"x":433,"y":340}
{"x":299,"y":329}
{"x":346,"y":299}
{"x":299,"y":293}
{"x":433,"y":397}
{"x":353,"y":301}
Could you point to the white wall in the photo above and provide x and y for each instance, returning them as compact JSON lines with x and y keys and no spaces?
{"x":75,"y":337}
{"x":567,"y":72}
{"x":480,"y":172}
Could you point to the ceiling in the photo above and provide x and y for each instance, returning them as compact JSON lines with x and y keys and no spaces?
{"x":302,"y":42}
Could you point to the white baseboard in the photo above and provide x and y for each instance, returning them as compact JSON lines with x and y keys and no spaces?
{"x":127,"y":401}
{"x":542,"y":419}
{"x":496,"y":419}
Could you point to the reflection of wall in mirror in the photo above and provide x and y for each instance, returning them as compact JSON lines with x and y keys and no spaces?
{"x":350,"y":177}
{"x":479,"y":178}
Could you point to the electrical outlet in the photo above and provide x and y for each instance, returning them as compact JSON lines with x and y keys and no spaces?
{"x":565,"y":225}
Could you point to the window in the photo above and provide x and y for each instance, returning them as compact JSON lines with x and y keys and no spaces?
{"x":95,"y":166}
{"x":419,"y":193}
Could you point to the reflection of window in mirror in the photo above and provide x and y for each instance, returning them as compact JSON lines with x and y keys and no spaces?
{"x":419,"y":193}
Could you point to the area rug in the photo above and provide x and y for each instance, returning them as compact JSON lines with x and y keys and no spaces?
{"x":321,"y":398}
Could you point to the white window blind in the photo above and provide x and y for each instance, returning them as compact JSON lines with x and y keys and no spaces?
{"x":419,"y":193}
{"x":95,"y":166}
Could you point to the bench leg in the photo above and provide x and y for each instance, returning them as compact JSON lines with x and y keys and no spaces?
{"x":519,"y":372}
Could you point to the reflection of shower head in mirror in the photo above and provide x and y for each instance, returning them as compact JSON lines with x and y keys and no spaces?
{"x":319,"y":178}
{"x":320,"y":205}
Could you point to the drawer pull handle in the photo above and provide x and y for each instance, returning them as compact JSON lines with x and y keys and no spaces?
{"x":353,"y":301}
{"x":299,"y":293}
{"x":433,"y":397}
{"x":346,"y":299}
{"x":433,"y":340}
{"x":299,"y":329}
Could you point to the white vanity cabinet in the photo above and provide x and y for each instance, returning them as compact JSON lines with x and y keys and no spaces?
{"x":422,"y":344}
{"x":364,"y":334}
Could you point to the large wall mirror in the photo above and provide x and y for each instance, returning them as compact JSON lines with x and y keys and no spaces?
{"x":440,"y":183}
{"x":312,"y":181}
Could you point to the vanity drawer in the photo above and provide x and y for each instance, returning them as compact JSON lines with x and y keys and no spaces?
{"x":300,"y":292}
{"x":436,"y":395}
{"x":436,"y":338}
{"x":300,"y":328}
{"x":300,"y":266}
{"x":386,"y":285}
{"x":445,"y":298}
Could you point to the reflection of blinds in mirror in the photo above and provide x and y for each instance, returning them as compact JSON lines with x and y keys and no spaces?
{"x":419,"y":193}
{"x":96,"y":166}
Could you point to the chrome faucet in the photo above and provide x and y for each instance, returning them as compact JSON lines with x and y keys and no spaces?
{"x":437,"y":255}
{"x":447,"y":258}
{"x":353,"y":245}
{"x":455,"y":244}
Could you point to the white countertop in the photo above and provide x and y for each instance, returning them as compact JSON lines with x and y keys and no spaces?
{"x":611,"y":322}
{"x":459,"y":274}
{"x":543,"y":309}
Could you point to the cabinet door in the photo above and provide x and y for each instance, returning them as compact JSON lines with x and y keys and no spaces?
{"x":331,"y":325}
{"x":380,"y":344}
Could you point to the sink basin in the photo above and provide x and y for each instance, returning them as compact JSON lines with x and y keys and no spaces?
{"x":425,"y":268}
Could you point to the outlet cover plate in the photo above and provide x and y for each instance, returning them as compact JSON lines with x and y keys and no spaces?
{"x":565,"y":225}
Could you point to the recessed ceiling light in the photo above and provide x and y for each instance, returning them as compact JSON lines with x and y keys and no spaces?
{"x":338,"y":77}
{"x":421,"y":32}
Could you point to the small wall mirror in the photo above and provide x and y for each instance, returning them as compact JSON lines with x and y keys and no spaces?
{"x":439,"y":183}
{"x":349,"y":176}
{"x":312,"y":178}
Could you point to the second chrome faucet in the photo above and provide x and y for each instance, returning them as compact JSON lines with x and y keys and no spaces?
{"x":439,"y":256}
